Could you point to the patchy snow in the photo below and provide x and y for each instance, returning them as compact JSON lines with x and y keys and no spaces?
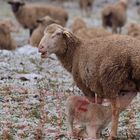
{"x":33,"y":91}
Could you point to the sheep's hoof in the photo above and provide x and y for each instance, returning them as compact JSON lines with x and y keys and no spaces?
{"x":112,"y":138}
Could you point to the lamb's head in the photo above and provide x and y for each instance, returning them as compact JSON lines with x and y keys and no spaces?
{"x":45,"y":21}
{"x":54,"y":41}
{"x":16,"y":4}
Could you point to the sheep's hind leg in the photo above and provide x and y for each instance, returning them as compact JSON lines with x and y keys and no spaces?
{"x":115,"y":117}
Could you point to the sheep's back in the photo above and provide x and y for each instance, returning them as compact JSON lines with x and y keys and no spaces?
{"x":104,"y":63}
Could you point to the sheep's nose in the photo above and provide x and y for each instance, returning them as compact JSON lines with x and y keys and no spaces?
{"x":41,"y":48}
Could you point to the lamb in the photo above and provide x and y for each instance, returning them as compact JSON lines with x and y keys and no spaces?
{"x":102,"y":65}
{"x":39,"y":31}
{"x":94,"y":117}
{"x":27,"y":14}
{"x":86,"y":6}
{"x":7,"y":42}
{"x":134,"y":30}
{"x":80,"y":29}
{"x":115,"y":16}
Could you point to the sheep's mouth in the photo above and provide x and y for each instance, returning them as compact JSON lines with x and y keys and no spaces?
{"x":44,"y":55}
{"x":134,"y":92}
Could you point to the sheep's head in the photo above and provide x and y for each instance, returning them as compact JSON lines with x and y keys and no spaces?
{"x":47,"y":21}
{"x":78,"y":24}
{"x":54,"y":41}
{"x":4,"y":29}
{"x":16,"y":4}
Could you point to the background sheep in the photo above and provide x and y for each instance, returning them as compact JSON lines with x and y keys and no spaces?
{"x":78,"y":24}
{"x":103,"y":65}
{"x":39,"y":31}
{"x":27,"y":14}
{"x":80,"y":29}
{"x":86,"y":6}
{"x":134,"y":30}
{"x":93,"y":117}
{"x":7,"y":42}
{"x":115,"y":16}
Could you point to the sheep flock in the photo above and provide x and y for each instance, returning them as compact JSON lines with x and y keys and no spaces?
{"x":63,"y":61}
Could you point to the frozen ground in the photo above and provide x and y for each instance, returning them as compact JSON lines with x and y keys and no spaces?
{"x":33,"y":91}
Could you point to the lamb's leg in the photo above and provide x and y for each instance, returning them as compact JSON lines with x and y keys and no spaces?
{"x":70,"y":120}
{"x":93,"y":131}
{"x":115,"y":117}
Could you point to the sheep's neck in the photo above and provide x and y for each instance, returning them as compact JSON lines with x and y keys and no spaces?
{"x":67,"y":58}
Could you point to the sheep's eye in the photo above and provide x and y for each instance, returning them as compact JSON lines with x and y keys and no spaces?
{"x":122,"y":93}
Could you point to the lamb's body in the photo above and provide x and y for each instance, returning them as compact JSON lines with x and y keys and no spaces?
{"x":94,"y":117}
{"x":103,"y":65}
{"x":115,"y":15}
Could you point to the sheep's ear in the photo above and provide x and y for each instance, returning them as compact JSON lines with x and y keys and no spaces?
{"x":66,"y":34}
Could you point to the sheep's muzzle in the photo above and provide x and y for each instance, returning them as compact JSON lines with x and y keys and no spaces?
{"x":43,"y":52}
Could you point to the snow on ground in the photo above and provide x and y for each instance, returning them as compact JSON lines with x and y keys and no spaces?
{"x":33,"y":90}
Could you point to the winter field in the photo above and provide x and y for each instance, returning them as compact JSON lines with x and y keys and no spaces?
{"x":33,"y":91}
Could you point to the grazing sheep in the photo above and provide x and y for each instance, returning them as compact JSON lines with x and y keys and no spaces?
{"x":39,"y":31}
{"x":27,"y":14}
{"x":93,"y":117}
{"x":80,"y":29}
{"x":134,"y":30}
{"x":6,"y":40}
{"x":86,"y":6}
{"x":114,"y":16}
{"x":102,"y":65}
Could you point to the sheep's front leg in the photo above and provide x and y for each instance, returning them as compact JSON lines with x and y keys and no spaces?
{"x":115,"y":117}
{"x":114,"y":29}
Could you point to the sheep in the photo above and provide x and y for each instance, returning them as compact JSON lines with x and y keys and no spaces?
{"x":115,"y":16}
{"x":27,"y":14}
{"x":78,"y":24}
{"x":38,"y":32}
{"x":134,"y":30}
{"x":7,"y":42}
{"x":80,"y":29}
{"x":94,"y":117}
{"x":101,"y":65}
{"x":86,"y":6}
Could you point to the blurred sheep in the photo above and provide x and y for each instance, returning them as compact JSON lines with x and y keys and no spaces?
{"x":27,"y":14}
{"x":39,"y":31}
{"x":115,"y":16}
{"x":134,"y":30}
{"x":86,"y":6}
{"x":80,"y":29}
{"x":7,"y":42}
